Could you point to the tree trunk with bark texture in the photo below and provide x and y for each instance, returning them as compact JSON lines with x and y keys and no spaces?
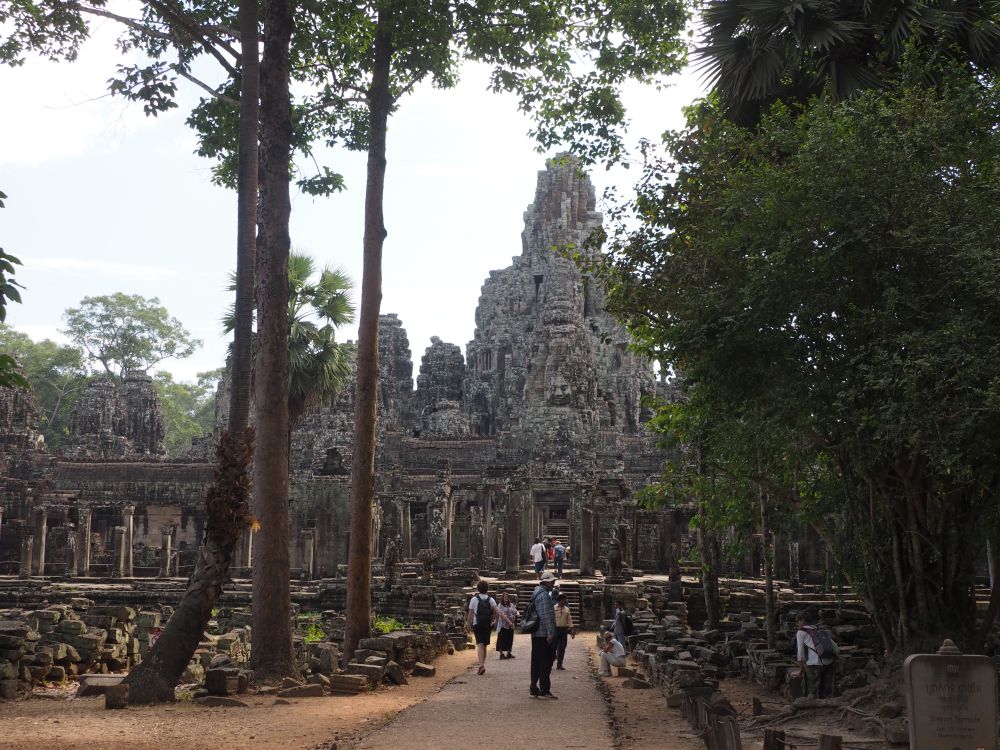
{"x":709,"y":548}
{"x":227,"y":504}
{"x":271,"y":654}
{"x":359,"y":591}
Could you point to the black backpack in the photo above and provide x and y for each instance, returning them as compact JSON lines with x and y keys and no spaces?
{"x":627,"y":625}
{"x":824,"y":645}
{"x":484,"y":611}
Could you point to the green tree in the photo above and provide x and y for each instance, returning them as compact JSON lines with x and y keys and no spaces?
{"x":317,"y":306}
{"x":54,"y":372}
{"x":9,"y":375}
{"x":826,"y":284}
{"x":760,"y":51}
{"x":188,"y":408}
{"x":127,"y":332}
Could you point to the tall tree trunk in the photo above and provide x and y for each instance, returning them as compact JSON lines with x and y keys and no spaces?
{"x":770,"y":621}
{"x":246,"y":233}
{"x":359,"y":564}
{"x":227,"y":509}
{"x":271,"y":655}
{"x":709,"y":549}
{"x":227,"y":503}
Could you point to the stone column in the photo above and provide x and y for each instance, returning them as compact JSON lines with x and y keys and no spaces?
{"x":27,"y":553}
{"x":586,"y":556}
{"x":41,"y":529}
{"x":513,"y":538}
{"x":120,"y":552}
{"x":86,"y":514}
{"x":309,"y":547}
{"x":406,"y":531}
{"x":72,"y":552}
{"x":128,"y":518}
{"x":249,"y":549}
{"x":166,"y":534}
{"x":1,"y":521}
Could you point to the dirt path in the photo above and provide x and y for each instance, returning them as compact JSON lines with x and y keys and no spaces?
{"x":642,"y":720}
{"x":498,"y":703}
{"x":84,"y":724}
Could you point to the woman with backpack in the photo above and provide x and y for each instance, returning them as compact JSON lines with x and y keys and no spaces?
{"x":481,"y":616}
{"x":506,"y":618}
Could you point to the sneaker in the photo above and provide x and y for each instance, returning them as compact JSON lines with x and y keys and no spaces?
{"x":560,"y":666}
{"x":533,"y":691}
{"x":548,"y":696}
{"x":510,"y":656}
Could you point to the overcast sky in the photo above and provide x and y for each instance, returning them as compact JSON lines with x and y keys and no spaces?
{"x":102,"y":199}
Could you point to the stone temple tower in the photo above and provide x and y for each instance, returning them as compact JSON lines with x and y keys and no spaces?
{"x":547,"y":363}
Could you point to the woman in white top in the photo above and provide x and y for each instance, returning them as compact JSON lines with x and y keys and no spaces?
{"x":612,"y":655}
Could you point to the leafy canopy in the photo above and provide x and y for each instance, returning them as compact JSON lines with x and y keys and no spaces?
{"x":127,"y":332}
{"x":826,"y":284}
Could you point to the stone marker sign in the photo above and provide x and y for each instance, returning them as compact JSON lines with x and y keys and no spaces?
{"x":951,"y":700}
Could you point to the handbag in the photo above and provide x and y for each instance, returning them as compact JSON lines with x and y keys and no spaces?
{"x":530,"y":621}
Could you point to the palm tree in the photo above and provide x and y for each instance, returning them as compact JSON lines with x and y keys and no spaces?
{"x":756,"y":52}
{"x":317,"y":363}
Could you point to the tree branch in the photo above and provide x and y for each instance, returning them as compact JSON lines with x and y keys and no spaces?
{"x":222,"y":97}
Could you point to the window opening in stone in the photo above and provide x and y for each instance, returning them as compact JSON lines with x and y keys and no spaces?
{"x":538,"y":283}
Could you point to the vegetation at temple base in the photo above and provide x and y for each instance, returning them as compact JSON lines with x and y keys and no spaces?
{"x":826,"y":285}
{"x":188,"y":408}
{"x":54,"y":372}
{"x":127,"y":332}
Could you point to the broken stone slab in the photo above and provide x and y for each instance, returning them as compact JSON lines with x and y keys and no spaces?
{"x":302,"y":691}
{"x":348,"y":684}
{"x":423,"y":670}
{"x":97,"y":684}
{"x":222,"y":681}
{"x":116,"y":696}
{"x":219,"y":701}
{"x":394,"y":673}
{"x":636,"y":683}
{"x":373,"y":672}
{"x":318,"y":679}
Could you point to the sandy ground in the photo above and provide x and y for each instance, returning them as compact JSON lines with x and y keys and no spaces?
{"x":305,"y":724}
{"x":642,"y":720}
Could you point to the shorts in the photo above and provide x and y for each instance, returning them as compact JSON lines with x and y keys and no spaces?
{"x":482,"y":633}
{"x":540,"y":566}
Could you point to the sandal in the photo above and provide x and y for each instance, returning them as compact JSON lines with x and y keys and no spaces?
{"x":482,"y":670}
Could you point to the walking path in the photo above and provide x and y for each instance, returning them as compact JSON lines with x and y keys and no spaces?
{"x":497,"y":708}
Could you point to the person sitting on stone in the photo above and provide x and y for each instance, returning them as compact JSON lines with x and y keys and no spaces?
{"x":612,"y":655}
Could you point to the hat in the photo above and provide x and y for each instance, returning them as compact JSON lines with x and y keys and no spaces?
{"x":547,"y":576}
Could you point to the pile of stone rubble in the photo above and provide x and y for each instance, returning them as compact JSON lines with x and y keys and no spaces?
{"x":99,"y":644}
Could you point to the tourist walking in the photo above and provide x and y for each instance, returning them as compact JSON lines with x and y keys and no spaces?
{"x":481,"y":615}
{"x":506,"y":620}
{"x":538,"y":556}
{"x":564,"y":628}
{"x":543,"y":640}
{"x":559,"y":557}
{"x":818,"y":670}
{"x":612,"y":655}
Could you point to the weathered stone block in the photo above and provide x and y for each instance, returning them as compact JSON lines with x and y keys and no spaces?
{"x":116,"y":696}
{"x":302,"y":691}
{"x":8,"y":690}
{"x":423,"y":670}
{"x":222,"y":681}
{"x":394,"y":673}
{"x":372,"y":672}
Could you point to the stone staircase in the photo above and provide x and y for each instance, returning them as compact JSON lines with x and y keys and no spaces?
{"x":570,"y":588}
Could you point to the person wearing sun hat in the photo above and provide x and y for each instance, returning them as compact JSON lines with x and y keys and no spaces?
{"x":543,"y":640}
